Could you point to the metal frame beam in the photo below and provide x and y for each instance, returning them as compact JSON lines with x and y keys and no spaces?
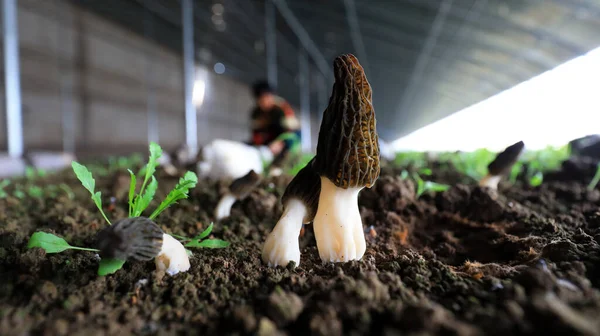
{"x":436,"y":29}
{"x":304,"y":37}
{"x":271,"y":42}
{"x":304,"y":76}
{"x":12,"y":77}
{"x":357,"y":40}
{"x":189,"y":70}
{"x":149,"y":86}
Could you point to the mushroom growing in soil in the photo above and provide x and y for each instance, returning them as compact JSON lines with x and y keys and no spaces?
{"x":300,"y":201}
{"x":139,"y":238}
{"x":501,"y":165}
{"x":347,"y":161}
{"x":238,"y":190}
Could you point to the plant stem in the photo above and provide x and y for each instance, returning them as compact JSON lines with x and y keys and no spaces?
{"x":595,"y":180}
{"x":180,"y":237}
{"x":84,"y":249}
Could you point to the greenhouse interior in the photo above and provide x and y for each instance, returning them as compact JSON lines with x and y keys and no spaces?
{"x":300,"y":167}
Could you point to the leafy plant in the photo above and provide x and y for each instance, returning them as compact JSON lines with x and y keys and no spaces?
{"x":537,"y":179}
{"x":85,"y":177}
{"x":138,"y":202}
{"x":200,"y":241}
{"x":35,"y":191}
{"x":595,"y":179}
{"x":4,"y":184}
{"x":424,"y":186}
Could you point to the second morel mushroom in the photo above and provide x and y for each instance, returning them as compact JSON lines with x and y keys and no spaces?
{"x":347,"y":160}
{"x":300,"y":201}
{"x":238,"y":190}
{"x":501,"y":165}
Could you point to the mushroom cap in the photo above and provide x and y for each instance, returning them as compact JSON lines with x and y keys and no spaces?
{"x":348,"y":146}
{"x":136,"y":238}
{"x":505,"y":160}
{"x":306,"y":187}
{"x":241,"y":187}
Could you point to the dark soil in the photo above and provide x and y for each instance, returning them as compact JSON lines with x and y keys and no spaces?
{"x":463,"y":262}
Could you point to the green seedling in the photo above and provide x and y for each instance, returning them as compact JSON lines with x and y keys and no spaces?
{"x":424,"y":186}
{"x":4,"y":184}
{"x":138,"y":202}
{"x":53,"y":244}
{"x":514,"y":172}
{"x":537,"y":179}
{"x":595,"y":180}
{"x":85,"y":177}
{"x":201,"y":241}
{"x":35,"y":192}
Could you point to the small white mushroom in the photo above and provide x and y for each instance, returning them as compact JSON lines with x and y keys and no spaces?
{"x":173,"y":257}
{"x":238,"y":190}
{"x":501,"y":165}
{"x":299,"y":207}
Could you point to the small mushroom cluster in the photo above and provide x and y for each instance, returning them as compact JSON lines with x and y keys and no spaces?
{"x":326,"y":190}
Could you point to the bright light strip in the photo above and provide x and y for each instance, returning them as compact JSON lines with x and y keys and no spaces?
{"x":548,"y":110}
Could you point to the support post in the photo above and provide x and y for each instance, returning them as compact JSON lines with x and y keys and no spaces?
{"x":304,"y":76}
{"x":191,"y":120}
{"x":151,"y":110}
{"x":65,"y":78}
{"x":271,"y":42}
{"x":14,"y":117}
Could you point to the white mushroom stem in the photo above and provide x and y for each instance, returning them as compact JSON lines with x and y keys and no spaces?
{"x":338,"y":225}
{"x":490,"y":181}
{"x":223,"y":209}
{"x":173,"y":257}
{"x":282,"y":245}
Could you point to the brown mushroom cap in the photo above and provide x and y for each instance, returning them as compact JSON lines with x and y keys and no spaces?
{"x":305,"y":187}
{"x":348,"y":146}
{"x":505,"y":160}
{"x":136,"y":238}
{"x":242,"y":186}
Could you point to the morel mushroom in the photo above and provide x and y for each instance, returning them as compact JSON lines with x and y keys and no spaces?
{"x":501,"y":165}
{"x":347,"y":161}
{"x":238,"y":190}
{"x":139,"y":238}
{"x":300,"y":201}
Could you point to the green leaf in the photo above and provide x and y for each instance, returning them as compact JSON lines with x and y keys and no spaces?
{"x":84,"y":176}
{"x":208,"y":243}
{"x":434,"y":186}
{"x":3,"y":185}
{"x":109,"y":266}
{"x":188,"y":181}
{"x":97,"y":198}
{"x":425,"y":171}
{"x":595,"y":179}
{"x":536,"y":179}
{"x":88,"y":182}
{"x":49,"y":242}
{"x":404,"y":174}
{"x":35,"y":192}
{"x":155,"y":154}
{"x":141,"y":203}
{"x":132,"y":185}
{"x":204,"y":233}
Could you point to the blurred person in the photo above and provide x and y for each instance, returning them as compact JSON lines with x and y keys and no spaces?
{"x":274,"y":123}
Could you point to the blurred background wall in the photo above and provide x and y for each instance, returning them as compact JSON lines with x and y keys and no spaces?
{"x":77,"y":64}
